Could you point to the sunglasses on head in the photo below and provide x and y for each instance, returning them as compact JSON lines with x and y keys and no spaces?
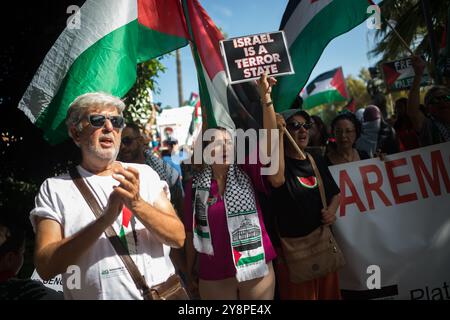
{"x":128,"y":140}
{"x":295,"y":125}
{"x":98,"y":120}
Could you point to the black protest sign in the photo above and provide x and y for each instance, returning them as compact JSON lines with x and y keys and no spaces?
{"x":399,"y":75}
{"x":247,"y":58}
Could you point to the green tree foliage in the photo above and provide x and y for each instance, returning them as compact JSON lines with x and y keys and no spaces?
{"x":411,"y":25}
{"x":364,"y":75}
{"x":138,"y":99}
{"x":357,"y":89}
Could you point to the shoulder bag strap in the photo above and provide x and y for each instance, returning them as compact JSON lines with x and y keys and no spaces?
{"x":111,"y":234}
{"x":319,"y":180}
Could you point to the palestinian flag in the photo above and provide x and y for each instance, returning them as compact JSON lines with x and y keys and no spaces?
{"x":126,"y":233}
{"x":225,"y":105}
{"x":351,"y":105}
{"x":399,"y":75}
{"x":309,"y":26}
{"x":101,"y":55}
{"x":196,"y":121}
{"x":329,"y":87}
{"x":194,"y":100}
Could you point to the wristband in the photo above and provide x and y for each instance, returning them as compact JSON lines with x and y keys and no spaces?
{"x":267,"y":104}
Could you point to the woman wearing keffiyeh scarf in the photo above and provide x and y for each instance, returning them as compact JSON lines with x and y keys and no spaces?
{"x":224,"y":224}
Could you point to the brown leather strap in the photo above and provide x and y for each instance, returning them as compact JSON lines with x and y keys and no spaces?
{"x":111,"y":234}
{"x":319,"y":180}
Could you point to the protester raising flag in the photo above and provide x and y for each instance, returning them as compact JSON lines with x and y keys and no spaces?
{"x":309,"y":26}
{"x":100,"y":55}
{"x":196,"y":122}
{"x":194,"y":100}
{"x":329,"y":87}
{"x":225,"y":105}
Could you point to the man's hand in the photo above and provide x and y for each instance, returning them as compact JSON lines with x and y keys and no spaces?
{"x":128,"y":190}
{"x":418,"y":65}
{"x":328,"y":216}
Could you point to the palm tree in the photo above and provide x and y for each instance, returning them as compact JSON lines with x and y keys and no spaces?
{"x":179,"y":78}
{"x":411,"y":25}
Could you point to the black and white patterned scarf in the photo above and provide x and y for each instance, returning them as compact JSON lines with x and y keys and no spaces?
{"x":242,"y":221}
{"x":162,"y":168}
{"x":444,"y":129}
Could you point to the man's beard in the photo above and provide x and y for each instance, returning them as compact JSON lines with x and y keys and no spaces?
{"x":104,"y":154}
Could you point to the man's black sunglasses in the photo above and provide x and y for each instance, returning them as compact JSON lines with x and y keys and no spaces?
{"x":98,"y":120}
{"x":295,"y":125}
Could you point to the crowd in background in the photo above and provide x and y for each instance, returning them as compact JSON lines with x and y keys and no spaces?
{"x":276,"y":206}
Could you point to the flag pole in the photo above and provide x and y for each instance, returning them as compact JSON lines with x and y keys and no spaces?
{"x":294,"y":144}
{"x":179,"y":77}
{"x":431,"y":37}
{"x":399,"y":37}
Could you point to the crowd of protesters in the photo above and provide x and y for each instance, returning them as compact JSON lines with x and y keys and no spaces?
{"x":233,"y":245}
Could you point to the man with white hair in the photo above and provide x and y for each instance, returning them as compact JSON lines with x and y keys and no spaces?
{"x":71,"y":240}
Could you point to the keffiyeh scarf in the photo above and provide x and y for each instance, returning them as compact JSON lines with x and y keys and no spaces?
{"x":242,"y":222}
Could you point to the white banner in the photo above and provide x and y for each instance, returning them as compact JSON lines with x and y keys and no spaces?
{"x":394,"y":225}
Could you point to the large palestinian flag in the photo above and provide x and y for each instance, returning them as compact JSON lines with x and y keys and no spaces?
{"x":329,"y":87}
{"x":309,"y":26}
{"x":101,"y":55}
{"x":225,"y":105}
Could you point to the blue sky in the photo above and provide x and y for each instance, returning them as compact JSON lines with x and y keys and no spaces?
{"x":238,"y":18}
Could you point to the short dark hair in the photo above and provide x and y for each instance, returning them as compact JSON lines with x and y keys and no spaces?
{"x":14,"y":238}
{"x":133,"y":126}
{"x":350,"y":117}
{"x":401,"y":100}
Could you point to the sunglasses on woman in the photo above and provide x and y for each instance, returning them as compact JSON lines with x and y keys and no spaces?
{"x":98,"y":120}
{"x":295,"y":125}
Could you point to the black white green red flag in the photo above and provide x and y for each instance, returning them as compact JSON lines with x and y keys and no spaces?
{"x":309,"y":26}
{"x":328,"y":87}
{"x":227,"y":106}
{"x":101,"y":55}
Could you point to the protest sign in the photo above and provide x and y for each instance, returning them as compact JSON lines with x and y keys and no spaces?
{"x":393,"y":225}
{"x":399,"y":75}
{"x":247,"y":58}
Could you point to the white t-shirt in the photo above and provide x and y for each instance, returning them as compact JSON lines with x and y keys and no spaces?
{"x":103,"y":275}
